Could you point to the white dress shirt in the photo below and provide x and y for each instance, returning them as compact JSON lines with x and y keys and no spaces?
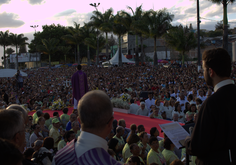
{"x":168,"y":111}
{"x":149,"y":102}
{"x":133,"y":108}
{"x":87,"y":141}
{"x":141,"y":112}
{"x":223,"y":83}
{"x":182,"y":102}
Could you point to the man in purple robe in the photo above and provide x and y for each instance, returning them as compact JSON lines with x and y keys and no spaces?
{"x":79,"y":85}
{"x":96,"y":118}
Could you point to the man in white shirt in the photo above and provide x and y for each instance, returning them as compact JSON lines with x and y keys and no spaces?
{"x":133,"y":107}
{"x":96,"y":117}
{"x":142,"y":110}
{"x":182,"y":101}
{"x":150,"y":101}
{"x":175,"y":94}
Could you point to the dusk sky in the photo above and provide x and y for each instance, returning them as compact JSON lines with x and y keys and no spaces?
{"x":18,"y":15}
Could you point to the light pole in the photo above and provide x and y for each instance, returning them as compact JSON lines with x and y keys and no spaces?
{"x":35,"y":26}
{"x":97,"y":58}
{"x":198,"y":38}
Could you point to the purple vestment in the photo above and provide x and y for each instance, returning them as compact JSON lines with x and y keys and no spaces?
{"x":95,"y":156}
{"x":79,"y":85}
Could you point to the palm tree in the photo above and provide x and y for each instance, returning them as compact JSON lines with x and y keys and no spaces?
{"x":4,"y":41}
{"x":132,"y":22}
{"x":92,"y":40}
{"x":225,"y":20}
{"x":64,"y":50}
{"x":104,"y":23}
{"x":86,"y":33}
{"x":181,"y":39}
{"x":157,"y":23}
{"x":74,"y":37}
{"x":119,"y":29}
{"x":17,"y":40}
{"x":49,"y":47}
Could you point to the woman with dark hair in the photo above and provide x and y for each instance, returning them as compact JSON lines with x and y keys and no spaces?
{"x":155,"y":155}
{"x":187,"y":107}
{"x":133,"y":138}
{"x":154,"y":132}
{"x":168,"y":153}
{"x":113,"y":144}
{"x":44,"y":156}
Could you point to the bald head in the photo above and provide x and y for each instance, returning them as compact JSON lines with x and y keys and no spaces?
{"x":95,"y":110}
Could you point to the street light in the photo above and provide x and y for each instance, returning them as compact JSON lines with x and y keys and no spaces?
{"x":97,"y":59}
{"x":34,"y":26}
{"x":198,"y":38}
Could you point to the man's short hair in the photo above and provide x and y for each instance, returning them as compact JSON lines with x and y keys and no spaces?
{"x":11,"y":122}
{"x":133,"y":127}
{"x":152,"y":139}
{"x":131,"y":101}
{"x":65,"y":110}
{"x":218,"y":60}
{"x":140,"y":127}
{"x":119,"y":129}
{"x":55,"y":113}
{"x":95,"y":110}
{"x":120,"y":122}
{"x":79,"y":67}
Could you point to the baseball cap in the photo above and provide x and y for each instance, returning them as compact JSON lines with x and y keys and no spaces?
{"x":56,"y":120}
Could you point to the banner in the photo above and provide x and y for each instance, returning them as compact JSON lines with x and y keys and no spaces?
{"x":25,"y":57}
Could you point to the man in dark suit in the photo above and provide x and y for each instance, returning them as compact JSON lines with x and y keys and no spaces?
{"x":213,"y":139}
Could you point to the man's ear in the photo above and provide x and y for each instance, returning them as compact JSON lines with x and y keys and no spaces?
{"x":211,"y":72}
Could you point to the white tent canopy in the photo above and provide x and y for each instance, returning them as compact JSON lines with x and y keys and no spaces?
{"x":10,"y":73}
{"x":115,"y":59}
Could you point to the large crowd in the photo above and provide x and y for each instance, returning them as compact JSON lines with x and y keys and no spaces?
{"x":172,"y":93}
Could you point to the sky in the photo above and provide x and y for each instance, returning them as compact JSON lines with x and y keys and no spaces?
{"x":18,"y":15}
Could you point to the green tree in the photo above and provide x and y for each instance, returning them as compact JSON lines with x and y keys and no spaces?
{"x":92,"y":40}
{"x":132,"y":22}
{"x":181,"y":39}
{"x":88,"y":32}
{"x":23,"y":49}
{"x":17,"y":40}
{"x":64,"y":50}
{"x":74,"y":38}
{"x":119,"y":29}
{"x":51,"y":31}
{"x":225,"y":20}
{"x":158,"y":23}
{"x":49,"y":47}
{"x":4,"y":41}
{"x":9,"y":51}
{"x":104,"y":23}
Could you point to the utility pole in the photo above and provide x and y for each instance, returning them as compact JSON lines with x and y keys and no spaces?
{"x":35,"y":26}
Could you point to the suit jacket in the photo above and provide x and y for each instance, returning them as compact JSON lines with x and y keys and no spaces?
{"x":215,"y":129}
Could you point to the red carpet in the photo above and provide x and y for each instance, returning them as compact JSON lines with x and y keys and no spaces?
{"x":129,"y":119}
